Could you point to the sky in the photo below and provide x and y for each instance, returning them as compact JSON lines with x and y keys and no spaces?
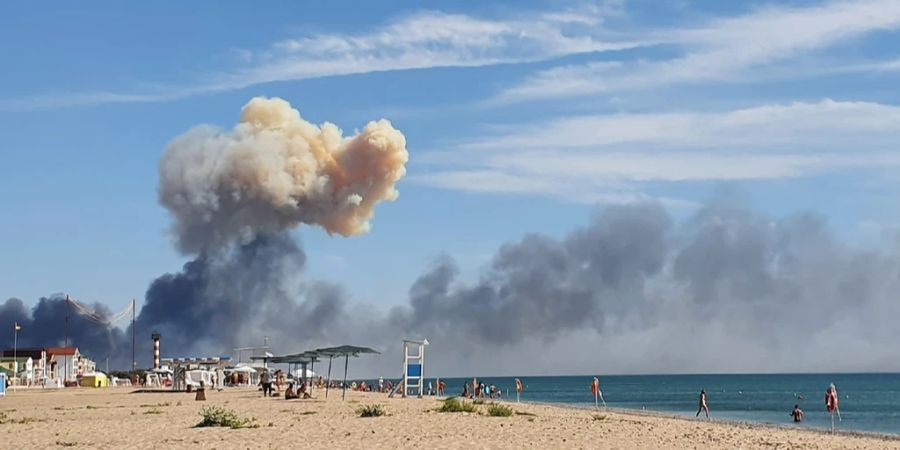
{"x":520,"y":118}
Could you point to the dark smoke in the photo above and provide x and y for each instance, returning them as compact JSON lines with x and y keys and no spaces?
{"x":232,"y":299}
{"x":45,"y":326}
{"x":728,"y":290}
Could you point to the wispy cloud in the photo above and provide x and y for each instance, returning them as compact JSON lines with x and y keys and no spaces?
{"x":597,"y":155}
{"x":418,"y":41}
{"x":726,"y":49}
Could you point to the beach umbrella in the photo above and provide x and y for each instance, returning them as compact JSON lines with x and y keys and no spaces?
{"x":346,"y":351}
{"x":304,"y":358}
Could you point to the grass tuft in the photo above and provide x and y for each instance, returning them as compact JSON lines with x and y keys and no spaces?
{"x":454,"y":404}
{"x":497,"y":410}
{"x":599,"y":417}
{"x":370,"y":411}
{"x":214,"y":416}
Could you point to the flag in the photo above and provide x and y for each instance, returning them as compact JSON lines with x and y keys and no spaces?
{"x":18,"y":328}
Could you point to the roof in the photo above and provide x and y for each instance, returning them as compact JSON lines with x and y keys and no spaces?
{"x":62,"y":350}
{"x":345,"y":350}
{"x":33,"y":352}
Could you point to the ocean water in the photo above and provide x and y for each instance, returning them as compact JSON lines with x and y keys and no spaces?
{"x":869,"y":402}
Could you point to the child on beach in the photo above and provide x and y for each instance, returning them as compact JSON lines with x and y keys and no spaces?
{"x":703,"y":405}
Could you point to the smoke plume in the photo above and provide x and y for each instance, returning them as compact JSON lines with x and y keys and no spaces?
{"x":234,"y":196}
{"x":274,"y":171}
{"x":728,"y":289}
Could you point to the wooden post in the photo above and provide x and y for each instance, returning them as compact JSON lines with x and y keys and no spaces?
{"x":346,"y":363}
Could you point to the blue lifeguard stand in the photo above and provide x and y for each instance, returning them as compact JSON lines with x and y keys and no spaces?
{"x":414,"y":367}
{"x":2,"y":384}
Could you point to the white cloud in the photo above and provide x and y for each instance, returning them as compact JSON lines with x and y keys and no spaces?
{"x":419,"y":41}
{"x":727,"y":49}
{"x":589,"y":157}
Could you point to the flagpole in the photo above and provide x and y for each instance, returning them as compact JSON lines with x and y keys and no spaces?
{"x":133,"y":365}
{"x":16,"y":352}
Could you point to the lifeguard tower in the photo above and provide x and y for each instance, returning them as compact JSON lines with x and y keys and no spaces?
{"x":414,"y":367}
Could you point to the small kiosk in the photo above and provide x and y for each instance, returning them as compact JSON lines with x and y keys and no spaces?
{"x":414,"y":367}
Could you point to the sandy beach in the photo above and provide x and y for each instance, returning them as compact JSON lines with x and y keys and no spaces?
{"x":119,"y":418}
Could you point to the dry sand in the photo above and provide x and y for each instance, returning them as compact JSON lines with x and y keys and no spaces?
{"x":117,"y":418}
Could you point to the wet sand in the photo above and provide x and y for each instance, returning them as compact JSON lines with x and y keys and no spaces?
{"x":118,"y":418}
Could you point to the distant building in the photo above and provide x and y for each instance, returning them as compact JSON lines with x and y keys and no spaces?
{"x":25,"y":372}
{"x":38,"y":357}
{"x":53,"y":364}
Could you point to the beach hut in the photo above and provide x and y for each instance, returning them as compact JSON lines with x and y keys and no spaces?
{"x":346,"y":351}
{"x":97,"y":379}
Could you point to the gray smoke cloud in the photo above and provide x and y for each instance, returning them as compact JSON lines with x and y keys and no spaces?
{"x":632,"y":291}
{"x":728,"y":290}
{"x":234,"y":196}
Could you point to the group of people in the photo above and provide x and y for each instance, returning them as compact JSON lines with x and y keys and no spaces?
{"x":271,"y":384}
{"x":480,"y":390}
{"x":797,"y":414}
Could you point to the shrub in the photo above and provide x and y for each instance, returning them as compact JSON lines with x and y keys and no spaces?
{"x":454,"y":404}
{"x":215,"y":416}
{"x":371,"y":411}
{"x":478,"y":402}
{"x":495,"y":410}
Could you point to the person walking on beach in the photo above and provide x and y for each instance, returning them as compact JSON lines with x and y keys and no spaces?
{"x":266,"y":381}
{"x":704,"y":407}
{"x":797,"y":414}
{"x":465,"y":392}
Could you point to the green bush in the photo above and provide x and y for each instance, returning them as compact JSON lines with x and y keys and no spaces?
{"x":371,"y":411}
{"x":495,"y":410}
{"x":478,"y":402}
{"x":215,"y":416}
{"x":454,"y":404}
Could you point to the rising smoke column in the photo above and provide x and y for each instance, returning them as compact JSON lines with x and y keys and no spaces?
{"x":234,"y":195}
{"x":274,"y":171}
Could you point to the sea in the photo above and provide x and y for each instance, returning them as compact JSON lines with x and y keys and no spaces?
{"x":868,"y":402}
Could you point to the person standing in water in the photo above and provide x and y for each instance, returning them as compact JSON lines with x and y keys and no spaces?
{"x":797,"y":414}
{"x":704,"y":407}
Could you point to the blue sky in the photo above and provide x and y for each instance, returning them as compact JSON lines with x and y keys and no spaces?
{"x":520,"y":117}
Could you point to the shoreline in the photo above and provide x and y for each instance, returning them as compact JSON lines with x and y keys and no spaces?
{"x":116,"y":418}
{"x":669,"y":415}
